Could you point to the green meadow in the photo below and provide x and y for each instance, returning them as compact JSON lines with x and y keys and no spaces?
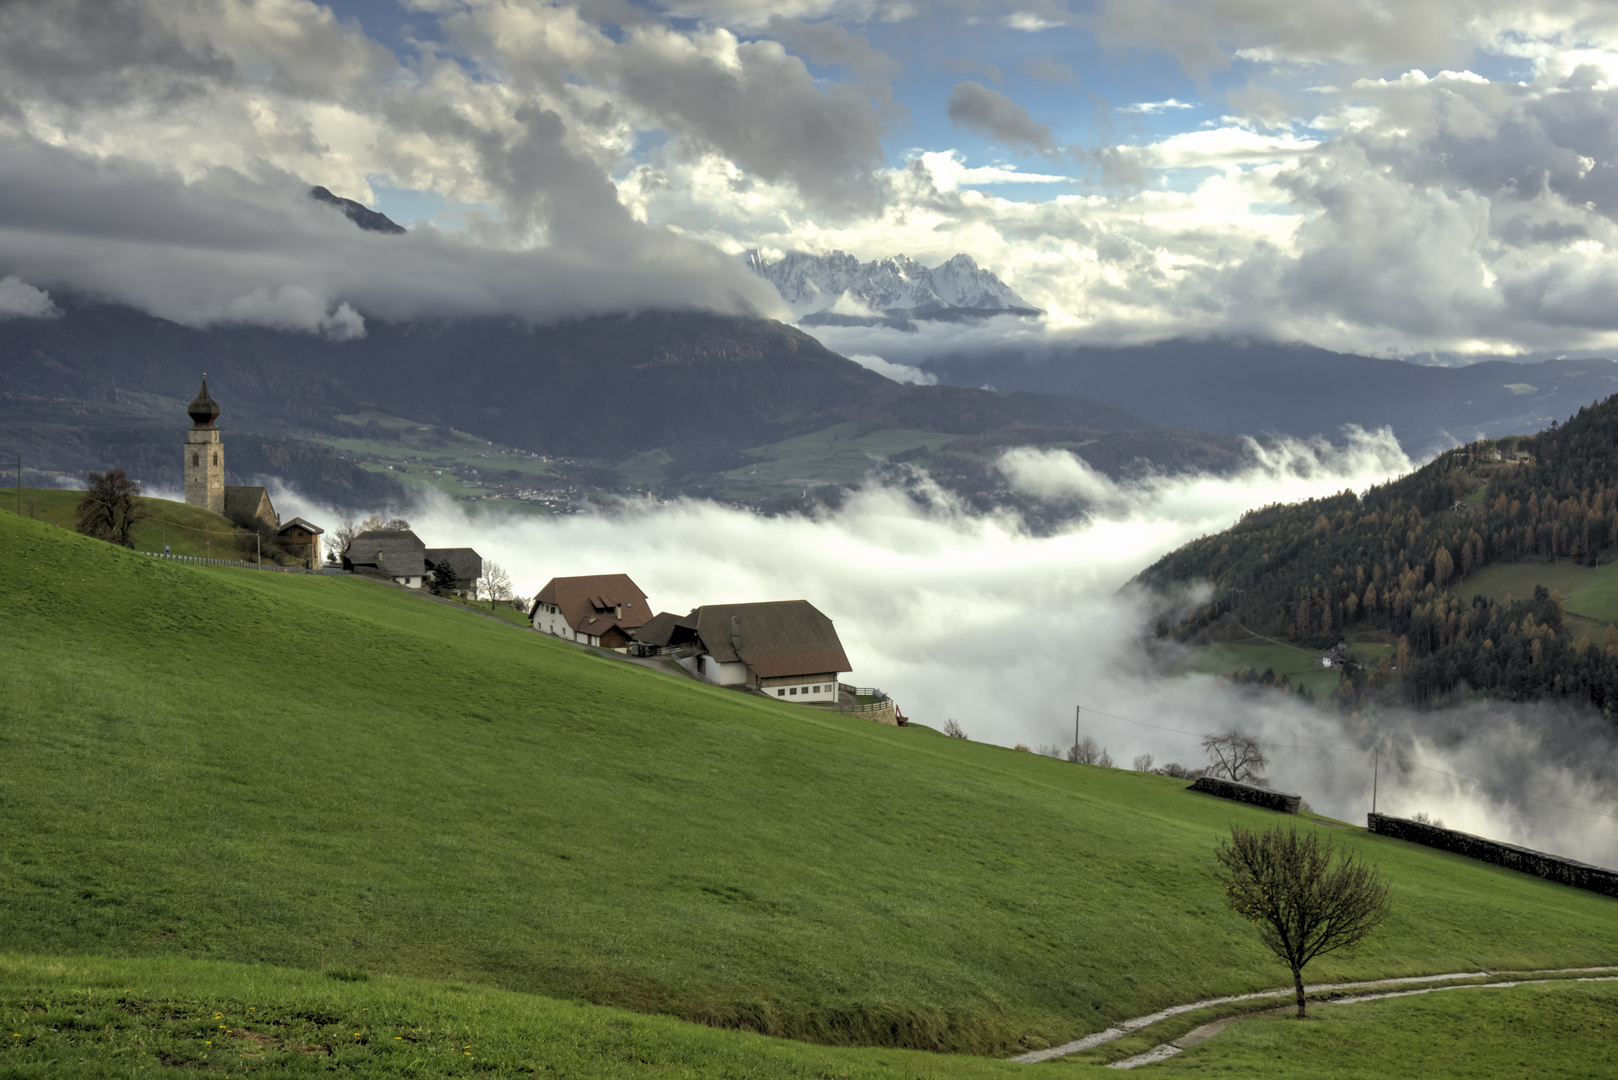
{"x":183,"y":529}
{"x":235,"y":782}
{"x":1587,"y":591}
{"x":1298,"y":665}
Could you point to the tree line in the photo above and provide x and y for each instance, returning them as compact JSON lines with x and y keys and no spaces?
{"x":1395,"y":559}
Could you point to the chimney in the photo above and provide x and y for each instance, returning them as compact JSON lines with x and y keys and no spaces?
{"x":736,"y":633}
{"x":618,"y":612}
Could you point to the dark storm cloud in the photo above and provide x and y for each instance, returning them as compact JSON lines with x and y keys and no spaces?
{"x":228,"y":248}
{"x":975,"y":108}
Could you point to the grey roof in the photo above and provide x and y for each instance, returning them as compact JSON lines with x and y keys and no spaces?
{"x":778,"y":637}
{"x":666,"y":628}
{"x":242,"y":504}
{"x":306,"y":526}
{"x":467,"y":563}
{"x":395,"y":552}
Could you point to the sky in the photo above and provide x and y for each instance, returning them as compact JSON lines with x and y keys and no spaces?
{"x":1393,"y":179}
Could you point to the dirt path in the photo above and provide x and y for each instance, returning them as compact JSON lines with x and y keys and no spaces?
{"x":1167,"y":1050}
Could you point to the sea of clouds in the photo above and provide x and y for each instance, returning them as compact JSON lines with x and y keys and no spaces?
{"x":974,"y":618}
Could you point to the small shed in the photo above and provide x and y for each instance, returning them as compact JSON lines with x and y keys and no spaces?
{"x":301,"y":540}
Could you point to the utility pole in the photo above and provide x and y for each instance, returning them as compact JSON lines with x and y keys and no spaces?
{"x":1376,"y":762}
{"x":19,"y":485}
{"x":1076,"y":710}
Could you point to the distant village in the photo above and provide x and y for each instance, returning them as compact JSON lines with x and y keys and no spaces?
{"x":785,"y":649}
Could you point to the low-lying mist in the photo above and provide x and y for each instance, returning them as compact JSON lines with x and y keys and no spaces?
{"x":974,"y":618}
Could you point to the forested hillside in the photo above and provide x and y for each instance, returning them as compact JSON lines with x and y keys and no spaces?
{"x":1394,"y":563}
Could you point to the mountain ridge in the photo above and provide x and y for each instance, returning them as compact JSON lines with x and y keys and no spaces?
{"x":895,"y":287}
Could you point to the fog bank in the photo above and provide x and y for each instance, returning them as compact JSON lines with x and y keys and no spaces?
{"x":975,"y":619}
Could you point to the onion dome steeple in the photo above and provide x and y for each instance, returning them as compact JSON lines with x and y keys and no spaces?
{"x":204,"y":410}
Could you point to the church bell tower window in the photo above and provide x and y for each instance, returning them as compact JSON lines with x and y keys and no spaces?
{"x":195,"y":461}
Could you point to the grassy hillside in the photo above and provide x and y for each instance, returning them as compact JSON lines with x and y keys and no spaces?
{"x":95,"y":1017}
{"x":180,"y":527}
{"x":326,"y":773}
{"x":1401,"y":563}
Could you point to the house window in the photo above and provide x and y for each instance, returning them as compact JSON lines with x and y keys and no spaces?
{"x":780,"y":693}
{"x":794,"y":691}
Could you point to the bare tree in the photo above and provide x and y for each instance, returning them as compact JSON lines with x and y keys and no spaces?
{"x":1089,"y":752}
{"x":342,"y":536}
{"x":1427,"y":819}
{"x":1144,"y":762}
{"x":1237,"y":756}
{"x":1306,"y":897}
{"x":953,"y":729}
{"x":496,"y":583}
{"x":1048,"y":750}
{"x":110,"y":508}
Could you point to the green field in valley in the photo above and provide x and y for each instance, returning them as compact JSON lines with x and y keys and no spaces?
{"x":835,"y":455}
{"x":1300,"y":665}
{"x":1587,"y":591}
{"x":203,"y":765}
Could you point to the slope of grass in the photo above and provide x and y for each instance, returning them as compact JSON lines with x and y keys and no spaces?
{"x":184,"y":529}
{"x":1587,"y":591}
{"x":326,"y":773}
{"x":1299,"y":665}
{"x":1553,"y":1031}
{"x":92,"y":1017}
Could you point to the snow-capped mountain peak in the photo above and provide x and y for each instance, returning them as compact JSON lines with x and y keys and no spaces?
{"x":897,"y":286}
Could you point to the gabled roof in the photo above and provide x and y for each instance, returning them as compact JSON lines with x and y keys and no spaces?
{"x":242,"y":503}
{"x":299,"y":523}
{"x":778,"y":638}
{"x":467,"y":563}
{"x":591,"y":603}
{"x":666,"y":628}
{"x":396,"y":552}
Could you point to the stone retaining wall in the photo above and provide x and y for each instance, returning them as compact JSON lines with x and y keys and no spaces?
{"x":1248,"y":793}
{"x":1551,"y":867}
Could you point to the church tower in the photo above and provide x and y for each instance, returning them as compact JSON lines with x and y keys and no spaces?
{"x":204,"y":455}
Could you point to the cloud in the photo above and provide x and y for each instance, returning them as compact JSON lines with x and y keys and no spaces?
{"x":1048,"y":69}
{"x":935,"y":606}
{"x":20,"y":300}
{"x":1149,"y":107}
{"x":974,"y":107}
{"x":899,"y":373}
{"x":224,"y":248}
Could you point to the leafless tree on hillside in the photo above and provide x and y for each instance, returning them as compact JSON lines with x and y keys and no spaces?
{"x":341,"y":537}
{"x":1048,"y":750}
{"x":1144,"y":762}
{"x":953,"y":729}
{"x":1089,"y":752}
{"x":494,"y":585}
{"x":1306,"y":897}
{"x":1236,"y":755}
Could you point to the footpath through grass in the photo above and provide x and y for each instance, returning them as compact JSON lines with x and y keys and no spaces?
{"x":323,"y":773}
{"x":1553,"y":1031}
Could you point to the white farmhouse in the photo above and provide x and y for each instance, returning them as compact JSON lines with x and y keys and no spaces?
{"x":599,"y":609}
{"x":783,"y":648}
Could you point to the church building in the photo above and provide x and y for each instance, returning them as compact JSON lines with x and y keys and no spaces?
{"x":247,"y":506}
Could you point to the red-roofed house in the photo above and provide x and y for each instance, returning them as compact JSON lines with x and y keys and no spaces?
{"x":601,"y":609}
